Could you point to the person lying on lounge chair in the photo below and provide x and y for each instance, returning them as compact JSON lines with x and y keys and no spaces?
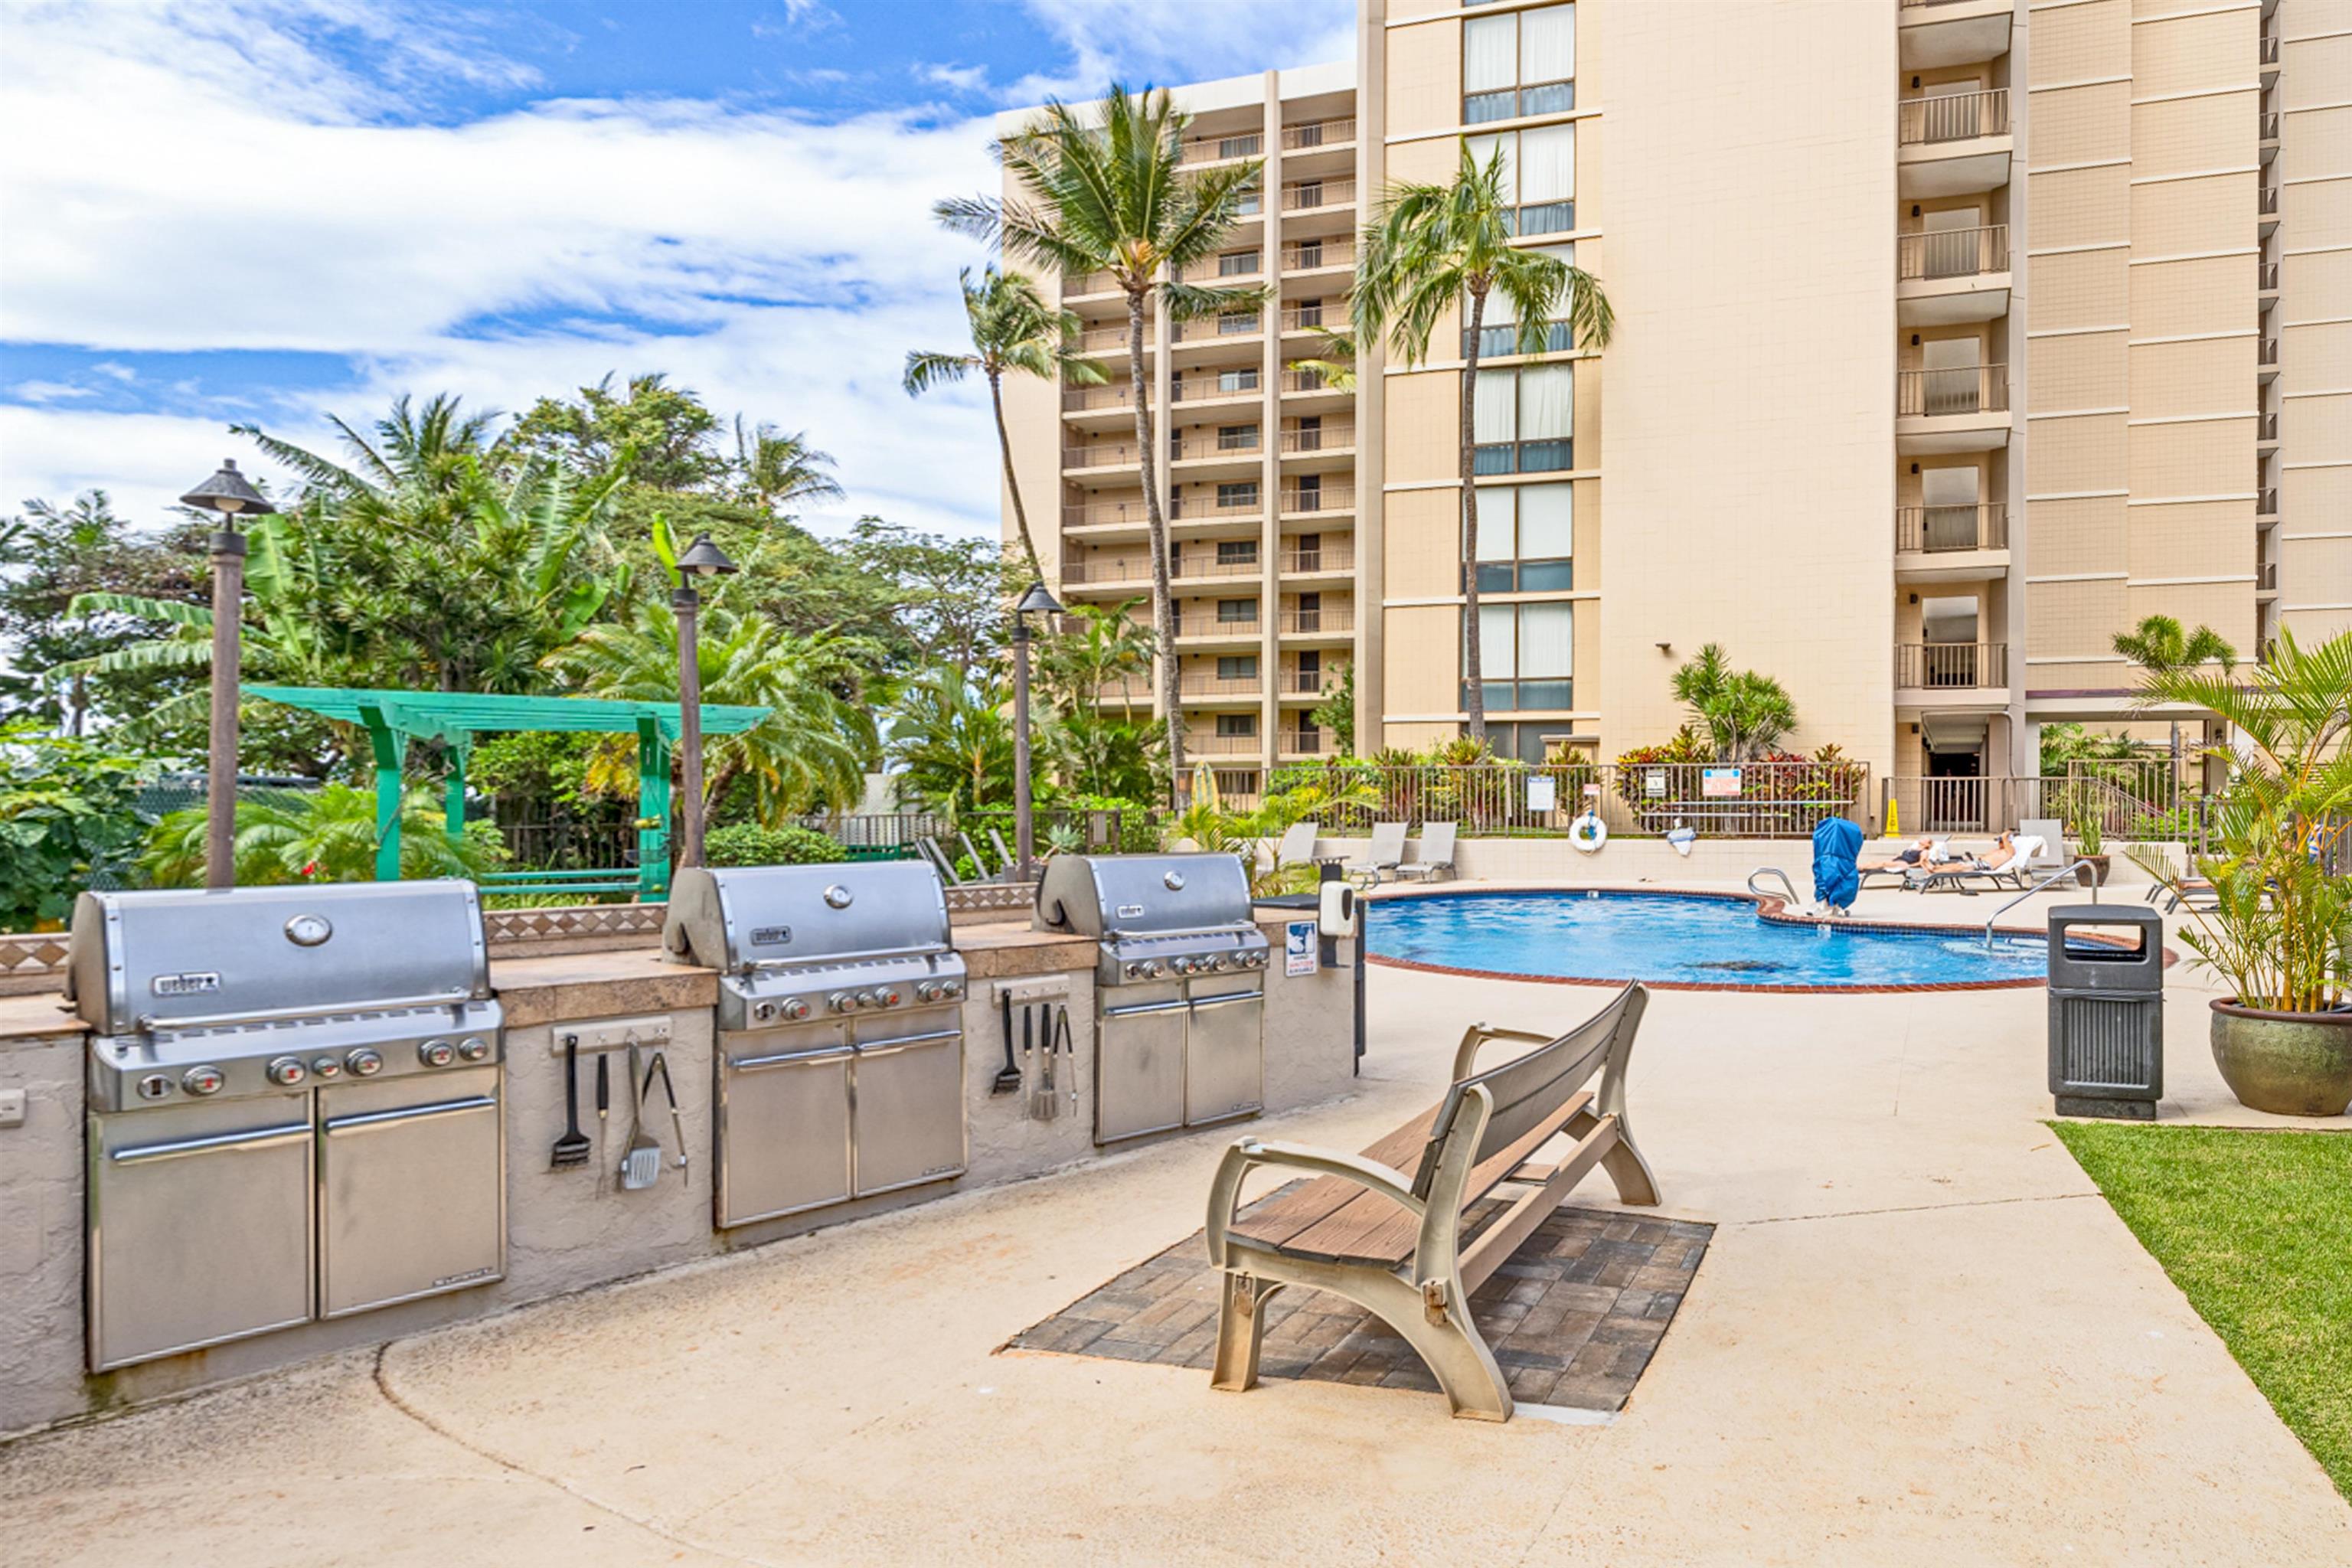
{"x":2000,"y":860}
{"x":1909,"y":860}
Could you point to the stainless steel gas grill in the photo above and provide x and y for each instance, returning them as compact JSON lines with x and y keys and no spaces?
{"x":1179,"y":987}
{"x":840,"y":1052}
{"x":296,"y":1102}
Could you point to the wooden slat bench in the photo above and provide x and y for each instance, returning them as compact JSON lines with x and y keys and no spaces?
{"x":1393,"y":1244}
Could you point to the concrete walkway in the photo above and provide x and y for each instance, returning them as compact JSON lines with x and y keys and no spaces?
{"x":1920,"y":1337}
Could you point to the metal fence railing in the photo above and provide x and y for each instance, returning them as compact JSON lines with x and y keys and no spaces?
{"x":1754,"y":800}
{"x":2136,"y":801}
{"x":893,"y":835}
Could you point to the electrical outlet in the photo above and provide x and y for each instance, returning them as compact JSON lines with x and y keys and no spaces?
{"x":12,"y":1108}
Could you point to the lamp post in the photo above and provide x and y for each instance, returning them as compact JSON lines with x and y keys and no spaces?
{"x":1035,"y":601}
{"x":227,"y":495}
{"x":702,"y":559}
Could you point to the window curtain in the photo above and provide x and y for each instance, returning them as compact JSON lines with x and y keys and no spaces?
{"x":1546,"y":522}
{"x":1498,"y":654}
{"x":1546,"y":164}
{"x":1546,"y":641}
{"x":1490,"y":53}
{"x":1546,"y":44}
{"x":1547,"y":403}
{"x":1497,"y":525}
{"x":1496,"y":410}
{"x":1482,"y":150}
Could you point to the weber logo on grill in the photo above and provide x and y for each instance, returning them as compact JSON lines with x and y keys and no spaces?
{"x":194,"y":982}
{"x":770,"y":936}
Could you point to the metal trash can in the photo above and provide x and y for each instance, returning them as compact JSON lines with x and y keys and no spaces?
{"x":2106,"y":1010}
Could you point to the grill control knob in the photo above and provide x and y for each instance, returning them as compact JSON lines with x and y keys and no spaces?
{"x":869,"y":999}
{"x":796,"y":1010}
{"x":287,"y":1071}
{"x":203,"y":1080}
{"x":1152,"y":968}
{"x":891,"y":996}
{"x":842,"y":1001}
{"x":154,"y":1086}
{"x":474,"y":1049}
{"x":436,"y":1053}
{"x":951,"y":989}
{"x":1221,"y":964}
{"x":364,"y":1063}
{"x":326,"y":1067}
{"x":925,"y":991}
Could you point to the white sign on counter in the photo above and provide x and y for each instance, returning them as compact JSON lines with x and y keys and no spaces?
{"x":1299,"y":954}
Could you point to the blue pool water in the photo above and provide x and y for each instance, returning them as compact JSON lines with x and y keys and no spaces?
{"x":1665,"y":939}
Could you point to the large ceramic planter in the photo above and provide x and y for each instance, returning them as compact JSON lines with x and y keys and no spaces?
{"x":2290,"y":1064}
{"x":2093,"y":872}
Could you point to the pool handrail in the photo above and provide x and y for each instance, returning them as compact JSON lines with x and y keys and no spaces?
{"x":1762,"y":871}
{"x":2053,"y":877}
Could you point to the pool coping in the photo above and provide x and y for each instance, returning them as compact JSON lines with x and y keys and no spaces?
{"x":1768,"y":907}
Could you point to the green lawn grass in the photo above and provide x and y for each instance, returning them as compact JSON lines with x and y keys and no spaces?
{"x":2256,"y":1229}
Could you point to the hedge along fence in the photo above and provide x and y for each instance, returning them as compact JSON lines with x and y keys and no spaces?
{"x":1781,"y":799}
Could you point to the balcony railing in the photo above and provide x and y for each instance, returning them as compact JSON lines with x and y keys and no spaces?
{"x":2269,"y":428}
{"x":1518,"y":102}
{"x":1224,"y":325}
{"x":1951,"y":390}
{"x":1302,"y":196}
{"x":1314,"y":623}
{"x":1306,"y":381}
{"x":1310,"y":498}
{"x":1337,"y":437}
{"x":1301,"y":255}
{"x":1197,"y":624}
{"x":1215,"y":274}
{"x":2267,"y":279}
{"x":1219,"y":149}
{"x":2266,"y":501}
{"x":2270,"y":48}
{"x":2267,"y":577}
{"x":1206,"y":685}
{"x":1952,"y":117}
{"x":1224,"y":502}
{"x":1091,"y":571}
{"x":1305,"y":744}
{"x":1099,"y":513}
{"x":1328,"y":558}
{"x":1241,"y":444}
{"x":1131,"y":693}
{"x":1952,"y":252}
{"x":1116,"y":394}
{"x":1097,"y":282}
{"x":1319,"y":133}
{"x":1930,"y":530}
{"x":1100,"y":340}
{"x":2270,"y":125}
{"x":1222,"y":746}
{"x":2268,"y":353}
{"x":1948,"y":665}
{"x":1198,"y":564}
{"x":1329,"y":314}
{"x":2268,"y":205}
{"x":1101,"y":455}
{"x":1214,"y":383}
{"x":1309,"y":682}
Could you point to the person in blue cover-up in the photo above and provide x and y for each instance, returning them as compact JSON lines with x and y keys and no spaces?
{"x":1836,"y":880}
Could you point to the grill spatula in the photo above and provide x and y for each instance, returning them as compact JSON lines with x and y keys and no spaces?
{"x":571,"y":1149}
{"x":641,"y":1165}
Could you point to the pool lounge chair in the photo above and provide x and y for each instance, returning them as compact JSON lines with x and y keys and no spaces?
{"x":1434,"y":853}
{"x":1381,"y":861}
{"x":1296,"y":847}
{"x":939,"y":858}
{"x":1963,"y":876}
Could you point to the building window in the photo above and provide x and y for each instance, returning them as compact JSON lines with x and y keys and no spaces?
{"x":1527,"y":655}
{"x":1539,"y":175}
{"x":1240,"y":666}
{"x":1236,"y":323}
{"x":1238,"y":725}
{"x":1237,"y":264}
{"x":1518,"y":64}
{"x":1237,"y":612}
{"x":1245,"y":146}
{"x":1236,"y":437}
{"x":1235,"y":496}
{"x":1531,"y":743}
{"x":1499,"y":328}
{"x":1251,"y":201}
{"x":1526,"y":419}
{"x":1310,"y":254}
{"x":1237,"y":380}
{"x":1526,"y":535}
{"x":1237,"y":553}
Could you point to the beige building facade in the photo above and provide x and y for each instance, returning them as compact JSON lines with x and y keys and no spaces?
{"x":1953,"y":337}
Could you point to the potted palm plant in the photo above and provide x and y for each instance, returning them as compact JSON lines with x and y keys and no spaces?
{"x":2277,"y":924}
{"x":2089,"y":847}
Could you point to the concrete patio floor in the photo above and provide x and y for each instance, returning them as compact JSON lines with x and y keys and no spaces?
{"x":1920,"y":1336}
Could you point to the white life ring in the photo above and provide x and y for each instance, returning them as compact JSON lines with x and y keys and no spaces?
{"x":1589,"y":833}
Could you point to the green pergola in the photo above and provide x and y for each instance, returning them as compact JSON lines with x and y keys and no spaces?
{"x":392,"y":718}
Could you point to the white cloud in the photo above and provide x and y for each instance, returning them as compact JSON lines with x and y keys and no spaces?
{"x":1169,"y":42}
{"x":787,"y":264}
{"x":961,"y":79}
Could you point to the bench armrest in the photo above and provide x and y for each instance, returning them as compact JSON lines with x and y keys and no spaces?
{"x":1224,"y":1193}
{"x":1466,"y":1055}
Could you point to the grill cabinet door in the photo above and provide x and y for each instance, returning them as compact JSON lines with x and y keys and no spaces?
{"x":200,"y":1225}
{"x":908,"y":1105}
{"x":783,"y":1124}
{"x":1224,"y":1057}
{"x":1139,"y":1070}
{"x":412,"y":1189}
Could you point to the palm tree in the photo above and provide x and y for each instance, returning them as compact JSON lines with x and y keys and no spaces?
{"x":774,"y":470}
{"x":1744,"y":713}
{"x":323,"y":836}
{"x":1429,"y":249}
{"x":1108,"y":193}
{"x":952,"y":741}
{"x":811,"y":750}
{"x":2159,"y":647}
{"x":1013,"y":329}
{"x":1335,"y":366}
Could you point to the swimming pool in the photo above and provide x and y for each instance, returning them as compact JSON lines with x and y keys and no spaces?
{"x":1686,"y":942}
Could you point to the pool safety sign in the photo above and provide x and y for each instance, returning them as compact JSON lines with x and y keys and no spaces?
{"x":1654,"y":784}
{"x":1543,"y":794}
{"x":1718,"y":781}
{"x":1299,"y":949}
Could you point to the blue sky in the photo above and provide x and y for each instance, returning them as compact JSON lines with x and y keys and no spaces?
{"x":272,"y":211}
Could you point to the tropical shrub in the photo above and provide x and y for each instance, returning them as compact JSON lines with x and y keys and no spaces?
{"x":68,"y":812}
{"x":746,"y":844}
{"x":323,"y":836}
{"x":1741,"y":712}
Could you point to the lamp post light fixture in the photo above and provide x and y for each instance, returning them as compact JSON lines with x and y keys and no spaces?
{"x":229,"y":497}
{"x":1035,"y":601}
{"x":702,"y":559}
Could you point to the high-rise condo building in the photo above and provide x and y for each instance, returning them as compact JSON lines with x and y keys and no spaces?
{"x":1952,"y":338}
